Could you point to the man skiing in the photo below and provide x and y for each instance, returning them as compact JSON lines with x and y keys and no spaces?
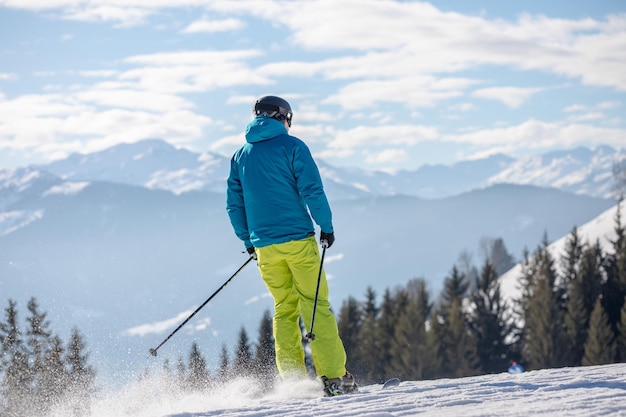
{"x":273,"y":185}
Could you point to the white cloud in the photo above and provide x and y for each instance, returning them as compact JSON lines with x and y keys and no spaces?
{"x":586,"y":117}
{"x":386,"y":156}
{"x":575,"y":108}
{"x":463,"y":107}
{"x":193,"y":71}
{"x":362,"y":136}
{"x":513,"y":97}
{"x":606,"y":105}
{"x":539,"y":135}
{"x":122,"y":16}
{"x":212,"y":26}
{"x":157,"y":327}
{"x":6,"y":76}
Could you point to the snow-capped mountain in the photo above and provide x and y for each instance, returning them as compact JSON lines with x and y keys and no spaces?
{"x":600,"y":229}
{"x":158,"y":165}
{"x":580,"y":171}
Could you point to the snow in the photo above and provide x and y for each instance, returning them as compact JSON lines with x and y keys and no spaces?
{"x":601,"y":229}
{"x":582,"y":391}
{"x":10,"y":221}
{"x":67,"y":188}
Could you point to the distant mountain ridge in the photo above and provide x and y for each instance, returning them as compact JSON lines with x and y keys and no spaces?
{"x":156,"y":164}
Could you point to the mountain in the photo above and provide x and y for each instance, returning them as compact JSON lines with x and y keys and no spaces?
{"x":127,"y":263}
{"x":599,"y":229}
{"x":580,"y":171}
{"x":158,"y":165}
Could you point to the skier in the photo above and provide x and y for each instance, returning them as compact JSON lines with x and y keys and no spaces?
{"x":273,"y":180}
{"x":516,"y":368}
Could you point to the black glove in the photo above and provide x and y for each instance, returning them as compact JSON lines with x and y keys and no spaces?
{"x":327,"y":239}
{"x":252,"y":252}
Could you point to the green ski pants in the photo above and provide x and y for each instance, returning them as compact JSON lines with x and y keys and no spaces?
{"x":290,"y":272}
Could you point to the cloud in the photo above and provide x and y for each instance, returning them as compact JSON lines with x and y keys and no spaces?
{"x":157,"y":327}
{"x":540,"y":135}
{"x":377,"y":63}
{"x":213,"y":26}
{"x":193,"y":71}
{"x":6,"y":76}
{"x":363,"y":136}
{"x":386,"y":156}
{"x":513,"y":97}
{"x":53,"y":125}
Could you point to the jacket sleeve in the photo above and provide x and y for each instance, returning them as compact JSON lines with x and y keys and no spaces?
{"x":235,"y":206}
{"x":309,"y":183}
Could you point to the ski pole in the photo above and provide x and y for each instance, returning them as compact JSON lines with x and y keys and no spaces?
{"x":310,"y":336}
{"x":153,"y":352}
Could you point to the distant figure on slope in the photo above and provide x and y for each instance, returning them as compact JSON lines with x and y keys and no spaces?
{"x":273,"y":180}
{"x":516,"y":368}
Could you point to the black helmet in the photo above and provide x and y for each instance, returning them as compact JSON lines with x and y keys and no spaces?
{"x":275,"y":107}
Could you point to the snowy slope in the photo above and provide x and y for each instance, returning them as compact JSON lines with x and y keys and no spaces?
{"x":599,"y":229}
{"x":583,"y":391}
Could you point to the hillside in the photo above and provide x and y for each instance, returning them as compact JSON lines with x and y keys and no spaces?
{"x":600,"y":229}
{"x":576,"y":392}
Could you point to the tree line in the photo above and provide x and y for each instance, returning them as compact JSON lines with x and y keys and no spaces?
{"x":568,"y":316}
{"x":38,"y":371}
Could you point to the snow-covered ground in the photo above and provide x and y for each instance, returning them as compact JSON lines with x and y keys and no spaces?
{"x":582,"y":391}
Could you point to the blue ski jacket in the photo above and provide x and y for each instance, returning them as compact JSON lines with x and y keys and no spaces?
{"x":273,"y":180}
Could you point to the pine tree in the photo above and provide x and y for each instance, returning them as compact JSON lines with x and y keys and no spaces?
{"x":16,"y":393}
{"x":198,"y":377}
{"x":614,"y":288}
{"x":265,"y":356}
{"x":461,"y":353}
{"x":583,"y":289}
{"x":393,"y":346}
{"x":10,"y":335}
{"x":349,"y":324}
{"x":436,"y":345}
{"x":243,"y":355}
{"x":488,"y":321}
{"x":543,"y":331}
{"x":408,"y":349}
{"x":181,"y":372}
{"x":499,"y":257}
{"x":55,"y":380}
{"x":525,"y":285}
{"x":38,"y":339}
{"x":224,"y":366}
{"x":621,"y":335}
{"x":600,"y":346}
{"x":455,"y":288}
{"x":385,"y":329}
{"x":366,"y":363}
{"x":570,"y":260}
{"x":81,"y":375}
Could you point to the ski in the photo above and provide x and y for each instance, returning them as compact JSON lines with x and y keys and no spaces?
{"x":391,"y":383}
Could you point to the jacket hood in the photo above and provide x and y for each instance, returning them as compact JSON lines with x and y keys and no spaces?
{"x":264,"y":128}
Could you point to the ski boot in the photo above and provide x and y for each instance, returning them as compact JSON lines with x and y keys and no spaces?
{"x":339,"y":386}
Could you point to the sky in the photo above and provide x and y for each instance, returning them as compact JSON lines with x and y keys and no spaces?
{"x":374,"y":84}
{"x":574,"y":392}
